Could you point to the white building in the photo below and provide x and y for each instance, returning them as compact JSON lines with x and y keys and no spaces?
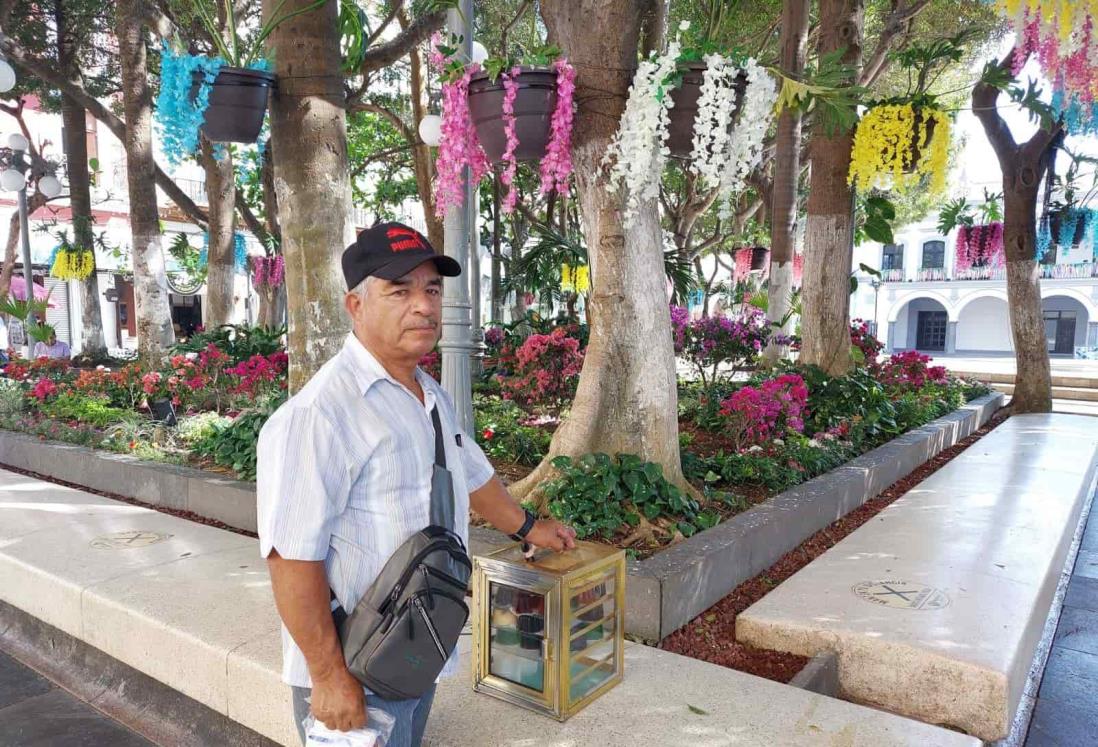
{"x":922,"y":304}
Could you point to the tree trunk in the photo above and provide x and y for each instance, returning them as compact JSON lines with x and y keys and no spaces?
{"x":627,"y":400}
{"x":220,"y":252}
{"x":154,"y":318}
{"x":1023,"y":168}
{"x":312,"y":180}
{"x":423,"y":163}
{"x":829,"y":235}
{"x":787,"y":169}
{"x":74,"y":116}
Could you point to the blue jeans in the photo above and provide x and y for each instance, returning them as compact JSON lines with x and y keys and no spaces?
{"x":410,"y":716}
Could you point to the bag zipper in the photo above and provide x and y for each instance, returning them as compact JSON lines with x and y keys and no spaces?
{"x":406,"y":576}
{"x":445,"y":577}
{"x":430,"y":627}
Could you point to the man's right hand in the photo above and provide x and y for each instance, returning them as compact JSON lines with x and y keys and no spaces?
{"x":338,"y":701}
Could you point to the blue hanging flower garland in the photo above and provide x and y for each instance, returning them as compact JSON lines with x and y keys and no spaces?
{"x":1044,"y":240}
{"x":178,"y":115}
{"x":240,"y":252}
{"x":1069,"y":220}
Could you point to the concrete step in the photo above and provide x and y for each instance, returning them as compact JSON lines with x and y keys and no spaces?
{"x":1077,"y":394}
{"x":1074,"y":382}
{"x":936,"y":606}
{"x":191,"y":606}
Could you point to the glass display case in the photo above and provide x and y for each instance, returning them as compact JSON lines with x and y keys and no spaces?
{"x":548,"y":631}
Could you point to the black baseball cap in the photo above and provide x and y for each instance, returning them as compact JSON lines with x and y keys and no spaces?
{"x":389,"y":251}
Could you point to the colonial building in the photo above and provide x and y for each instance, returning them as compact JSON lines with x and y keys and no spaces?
{"x":927,"y":300}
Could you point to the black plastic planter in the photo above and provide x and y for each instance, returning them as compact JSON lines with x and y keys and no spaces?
{"x":163,"y":410}
{"x":534,"y":105}
{"x":1055,"y":220}
{"x":684,"y":108}
{"x":238,"y":101}
{"x":759,"y":258}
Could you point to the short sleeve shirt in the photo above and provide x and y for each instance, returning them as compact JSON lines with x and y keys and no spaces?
{"x":344,"y":476}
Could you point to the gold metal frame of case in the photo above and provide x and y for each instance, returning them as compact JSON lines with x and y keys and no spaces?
{"x":557,"y":589}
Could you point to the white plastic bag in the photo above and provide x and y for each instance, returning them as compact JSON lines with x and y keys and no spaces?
{"x":379,"y":726}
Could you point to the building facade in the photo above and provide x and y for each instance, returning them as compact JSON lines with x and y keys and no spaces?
{"x":925,"y":301}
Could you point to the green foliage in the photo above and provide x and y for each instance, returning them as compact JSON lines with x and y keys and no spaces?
{"x":601,"y":496}
{"x":241,"y":50}
{"x":188,"y":258}
{"x":502,"y":435}
{"x":234,"y":446}
{"x":12,"y":397}
{"x":960,"y":212}
{"x":1029,"y":98}
{"x":95,"y":411}
{"x":875,"y":219}
{"x":194,"y":428}
{"x":700,"y":403}
{"x":240,"y":342}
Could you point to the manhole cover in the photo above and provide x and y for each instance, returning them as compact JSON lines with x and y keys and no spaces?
{"x":902,"y":595}
{"x":128,"y":540}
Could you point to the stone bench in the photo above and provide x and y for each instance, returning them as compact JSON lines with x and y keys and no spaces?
{"x":935,"y":607}
{"x":191,"y":606}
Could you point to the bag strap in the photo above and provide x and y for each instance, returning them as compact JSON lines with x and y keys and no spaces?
{"x":440,"y":449}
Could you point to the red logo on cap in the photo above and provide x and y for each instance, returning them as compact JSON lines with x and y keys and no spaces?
{"x":412,"y":241}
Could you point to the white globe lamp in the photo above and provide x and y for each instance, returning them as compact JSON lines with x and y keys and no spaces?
{"x":17,"y":142}
{"x":49,"y":186}
{"x":11,"y":180}
{"x":430,"y":129}
{"x":7,"y":77}
{"x":480,"y":53}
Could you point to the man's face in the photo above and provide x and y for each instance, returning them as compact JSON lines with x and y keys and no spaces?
{"x":52,"y":339}
{"x":402,"y":318}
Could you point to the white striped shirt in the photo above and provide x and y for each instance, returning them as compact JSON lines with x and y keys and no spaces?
{"x":344,"y":476}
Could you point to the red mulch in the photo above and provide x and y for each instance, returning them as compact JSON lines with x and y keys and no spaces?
{"x":189,"y":515}
{"x":702,"y":442}
{"x":712,"y":635}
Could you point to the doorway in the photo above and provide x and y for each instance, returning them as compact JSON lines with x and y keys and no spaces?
{"x":1060,"y":332}
{"x":931,"y":330}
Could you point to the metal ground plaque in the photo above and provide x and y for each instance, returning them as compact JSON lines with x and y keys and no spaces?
{"x":902,"y":595}
{"x":128,"y":540}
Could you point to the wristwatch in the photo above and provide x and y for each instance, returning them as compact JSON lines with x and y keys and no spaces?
{"x":527,"y":525}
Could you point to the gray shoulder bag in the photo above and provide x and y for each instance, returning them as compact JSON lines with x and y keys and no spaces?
{"x":406,"y":625}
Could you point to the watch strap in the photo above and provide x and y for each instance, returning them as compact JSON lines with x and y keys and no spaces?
{"x":527,"y":525}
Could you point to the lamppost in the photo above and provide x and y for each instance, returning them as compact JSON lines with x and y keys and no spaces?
{"x":876,"y":284}
{"x":14,"y":179}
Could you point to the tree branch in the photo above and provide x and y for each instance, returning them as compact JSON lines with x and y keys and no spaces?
{"x":897,"y":23}
{"x":398,"y":6}
{"x":386,"y":54}
{"x":985,"y":106}
{"x":392,"y":117}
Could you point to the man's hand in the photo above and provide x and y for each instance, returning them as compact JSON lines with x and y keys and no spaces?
{"x":552,"y":535}
{"x":338,"y":701}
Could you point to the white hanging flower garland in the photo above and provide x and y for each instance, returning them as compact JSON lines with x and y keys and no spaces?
{"x":723,"y":155}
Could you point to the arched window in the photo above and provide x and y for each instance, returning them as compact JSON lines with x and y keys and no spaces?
{"x":893,"y":257}
{"x":934,"y":255}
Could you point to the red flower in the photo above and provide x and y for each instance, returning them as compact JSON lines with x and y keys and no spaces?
{"x":488,"y":433}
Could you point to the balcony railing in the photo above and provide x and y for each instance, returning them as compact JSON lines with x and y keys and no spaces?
{"x":931,"y":274}
{"x":1077,"y":271}
{"x":980,"y":273}
{"x":893,"y":276}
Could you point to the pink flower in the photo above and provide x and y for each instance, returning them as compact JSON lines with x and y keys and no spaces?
{"x":510,"y":93}
{"x":43,"y":389}
{"x":556,"y":166}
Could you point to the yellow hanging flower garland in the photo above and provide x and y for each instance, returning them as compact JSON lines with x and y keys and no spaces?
{"x":883,"y":148}
{"x":73,"y":265}
{"x":575,"y":279}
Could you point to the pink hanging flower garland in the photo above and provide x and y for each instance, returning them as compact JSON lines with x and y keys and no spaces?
{"x":268,"y":271}
{"x":459,"y":146}
{"x":980,"y":245}
{"x":510,"y":93}
{"x":556,"y":167}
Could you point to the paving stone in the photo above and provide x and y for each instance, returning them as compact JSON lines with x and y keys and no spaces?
{"x":1057,"y":724}
{"x":1070,"y":676}
{"x":1082,"y":592}
{"x":17,"y":682}
{"x":1078,"y":630}
{"x":1086,"y":565}
{"x":57,"y":718}
{"x":1090,"y":536}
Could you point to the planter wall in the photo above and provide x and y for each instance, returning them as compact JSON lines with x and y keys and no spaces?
{"x":663,"y":593}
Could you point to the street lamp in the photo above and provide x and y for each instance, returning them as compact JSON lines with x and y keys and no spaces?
{"x":876,"y":284}
{"x":14,"y":179}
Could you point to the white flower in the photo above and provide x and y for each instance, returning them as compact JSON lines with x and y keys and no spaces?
{"x":814,"y":443}
{"x":684,"y":26}
{"x":191,"y":356}
{"x":713,"y":122}
{"x":779,"y":442}
{"x":756,"y":111}
{"x":754,"y":448}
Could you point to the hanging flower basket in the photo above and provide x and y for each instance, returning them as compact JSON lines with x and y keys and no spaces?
{"x":684,"y":107}
{"x":714,"y":114}
{"x":237,"y":103}
{"x":760,"y":257}
{"x":525,"y":114}
{"x":535,"y":100}
{"x":896,"y":145}
{"x":1069,"y":226}
{"x":979,"y":246}
{"x":72,"y":264}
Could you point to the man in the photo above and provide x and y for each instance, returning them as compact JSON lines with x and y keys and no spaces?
{"x":345,"y":470}
{"x":54,"y":349}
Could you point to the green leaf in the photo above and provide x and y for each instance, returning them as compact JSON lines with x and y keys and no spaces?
{"x":853,"y":284}
{"x":697,"y":711}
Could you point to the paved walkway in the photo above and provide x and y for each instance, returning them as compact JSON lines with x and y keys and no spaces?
{"x":34,"y":712}
{"x":1066,"y":713}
